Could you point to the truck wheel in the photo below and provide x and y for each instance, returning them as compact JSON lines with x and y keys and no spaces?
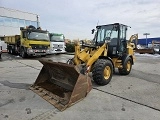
{"x":102,"y":72}
{"x":154,"y":52}
{"x":9,"y":50}
{"x":43,"y":55}
{"x":12,"y":51}
{"x":23,"y":53}
{"x":127,"y":67}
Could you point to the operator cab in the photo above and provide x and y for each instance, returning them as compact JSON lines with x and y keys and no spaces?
{"x":115,"y":36}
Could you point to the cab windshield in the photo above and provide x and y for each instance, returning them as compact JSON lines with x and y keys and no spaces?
{"x":57,"y":38}
{"x":38,"y":36}
{"x":107,"y":32}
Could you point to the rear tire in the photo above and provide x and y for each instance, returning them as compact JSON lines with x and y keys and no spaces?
{"x":9,"y":50}
{"x":126,"y":67}
{"x":12,"y":51}
{"x":102,"y":72}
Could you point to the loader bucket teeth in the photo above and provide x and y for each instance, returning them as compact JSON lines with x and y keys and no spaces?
{"x":61,"y":84}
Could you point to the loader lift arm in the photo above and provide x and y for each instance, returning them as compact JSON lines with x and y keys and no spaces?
{"x":102,"y":50}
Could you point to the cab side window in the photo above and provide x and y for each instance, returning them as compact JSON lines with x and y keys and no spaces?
{"x":122,"y":39}
{"x":122,"y":33}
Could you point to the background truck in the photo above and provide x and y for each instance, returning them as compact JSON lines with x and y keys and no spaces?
{"x":57,"y":43}
{"x":30,"y":42}
{"x":150,"y":49}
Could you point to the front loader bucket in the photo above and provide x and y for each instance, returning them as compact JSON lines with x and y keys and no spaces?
{"x":61,"y":84}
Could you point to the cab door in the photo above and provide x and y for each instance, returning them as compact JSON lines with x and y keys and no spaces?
{"x":122,"y":39}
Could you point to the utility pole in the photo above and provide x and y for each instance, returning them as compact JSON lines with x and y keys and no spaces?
{"x":38,"y":24}
{"x":146,"y":38}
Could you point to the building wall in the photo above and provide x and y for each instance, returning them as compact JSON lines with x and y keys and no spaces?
{"x":11,"y":21}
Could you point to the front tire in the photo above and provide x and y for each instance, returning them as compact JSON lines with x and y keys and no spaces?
{"x":127,"y":66}
{"x":43,"y":55}
{"x":102,"y":72}
{"x":23,"y":53}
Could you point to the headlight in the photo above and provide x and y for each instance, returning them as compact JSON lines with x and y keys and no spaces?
{"x":47,"y":50}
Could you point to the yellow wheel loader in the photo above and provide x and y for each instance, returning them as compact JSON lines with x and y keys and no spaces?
{"x":64,"y":84}
{"x":109,"y":50}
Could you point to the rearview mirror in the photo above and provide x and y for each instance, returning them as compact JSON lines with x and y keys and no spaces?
{"x":21,"y":28}
{"x":93,"y":31}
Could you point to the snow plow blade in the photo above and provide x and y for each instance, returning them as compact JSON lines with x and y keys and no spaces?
{"x":61,"y":84}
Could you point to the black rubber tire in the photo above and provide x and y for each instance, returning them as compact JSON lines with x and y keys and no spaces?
{"x":12,"y":51}
{"x":98,"y":72}
{"x":126,"y":69}
{"x":154,"y":52}
{"x":9,"y":50}
{"x":23,"y":53}
{"x":43,"y":55}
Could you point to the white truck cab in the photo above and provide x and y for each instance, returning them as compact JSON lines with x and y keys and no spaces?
{"x":57,"y":43}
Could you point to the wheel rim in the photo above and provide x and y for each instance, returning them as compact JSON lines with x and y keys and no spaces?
{"x":107,"y":72}
{"x":128,"y":65}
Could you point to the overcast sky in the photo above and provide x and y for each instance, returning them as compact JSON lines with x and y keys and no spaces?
{"x":76,"y":18}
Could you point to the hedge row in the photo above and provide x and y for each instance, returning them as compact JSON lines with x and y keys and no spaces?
{"x":70,"y":47}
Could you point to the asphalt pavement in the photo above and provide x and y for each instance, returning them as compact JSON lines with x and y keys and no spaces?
{"x":132,"y":97}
